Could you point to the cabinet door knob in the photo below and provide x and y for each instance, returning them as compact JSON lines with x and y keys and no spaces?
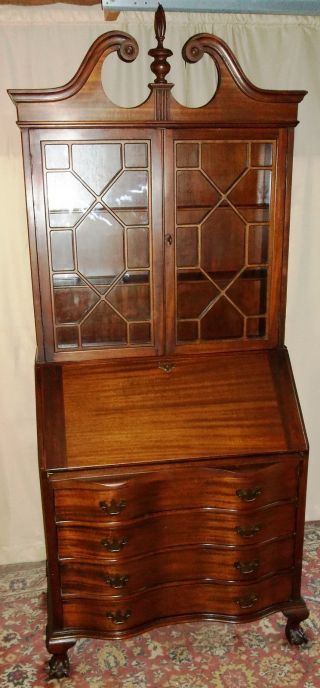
{"x":115,"y":581}
{"x":114,"y":508}
{"x":247,"y":600}
{"x":114,"y":545}
{"x":118,"y":617}
{"x":249,"y":531}
{"x":247,"y":566}
{"x":249,"y":495}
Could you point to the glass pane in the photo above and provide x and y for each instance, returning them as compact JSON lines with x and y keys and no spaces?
{"x":138,"y":247}
{"x":57,"y":156}
{"x":222,"y":321}
{"x":67,"y":337}
{"x":136,"y":154}
{"x":258,"y":244}
{"x":194,"y":293}
{"x":97,"y":163}
{"x":71,"y":304}
{"x":68,"y":281}
{"x":223,"y":242}
{"x":103,"y":327}
{"x":256,"y":327}
{"x":190,"y":216}
{"x":187,"y":246}
{"x":252,"y":192}
{"x":130,"y":190}
{"x":67,"y":199}
{"x":62,"y":250}
{"x":100,"y":247}
{"x":249,"y":292}
{"x":187,"y":155}
{"x":187,"y":330}
{"x":261,"y":154}
{"x":224,"y":161}
{"x":132,"y":217}
{"x":132,"y":300}
{"x":140,"y":333}
{"x":193,"y":190}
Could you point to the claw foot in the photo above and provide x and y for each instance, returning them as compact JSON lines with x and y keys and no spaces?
{"x":295,"y":635}
{"x":59,"y":666}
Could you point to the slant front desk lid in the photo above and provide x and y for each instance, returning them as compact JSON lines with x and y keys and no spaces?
{"x":111,"y":414}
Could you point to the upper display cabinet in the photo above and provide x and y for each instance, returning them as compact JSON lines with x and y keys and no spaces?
{"x":159,"y":229}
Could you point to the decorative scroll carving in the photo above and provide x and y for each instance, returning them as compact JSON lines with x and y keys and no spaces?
{"x":160,"y":67}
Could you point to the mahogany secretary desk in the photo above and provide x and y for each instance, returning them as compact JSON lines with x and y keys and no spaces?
{"x":172,"y":451}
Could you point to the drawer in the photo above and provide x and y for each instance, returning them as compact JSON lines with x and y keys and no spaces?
{"x":130,"y":497}
{"x":171,"y":601}
{"x":171,"y":529}
{"x":180,"y":564}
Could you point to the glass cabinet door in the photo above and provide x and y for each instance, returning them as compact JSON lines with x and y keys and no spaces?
{"x":98,"y":222}
{"x":223,"y":219}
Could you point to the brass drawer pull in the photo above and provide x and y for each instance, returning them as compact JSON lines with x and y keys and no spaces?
{"x":247,"y":601}
{"x":119,"y":617}
{"x":115,"y":581}
{"x":249,"y":531}
{"x":114,"y":508}
{"x":247,"y":566}
{"x":114,"y":545}
{"x":249,"y":495}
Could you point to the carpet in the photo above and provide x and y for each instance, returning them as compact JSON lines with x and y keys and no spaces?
{"x":191,"y":655}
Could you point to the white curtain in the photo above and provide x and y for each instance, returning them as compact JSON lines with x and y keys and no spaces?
{"x":42,"y":47}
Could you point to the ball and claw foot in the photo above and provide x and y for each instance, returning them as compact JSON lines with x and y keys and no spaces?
{"x":59,"y":666}
{"x":295,"y":635}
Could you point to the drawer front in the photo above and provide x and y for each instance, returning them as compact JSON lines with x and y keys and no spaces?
{"x":237,"y":600}
{"x":193,"y":527}
{"x":182,"y":564}
{"x":84,"y":500}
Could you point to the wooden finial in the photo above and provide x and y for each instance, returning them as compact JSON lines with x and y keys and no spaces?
{"x":160,"y":67}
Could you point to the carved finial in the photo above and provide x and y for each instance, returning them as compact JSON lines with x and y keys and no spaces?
{"x":160,"y":67}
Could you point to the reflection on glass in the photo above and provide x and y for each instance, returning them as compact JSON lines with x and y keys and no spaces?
{"x":67,"y":199}
{"x":130,"y":190}
{"x":97,"y":163}
{"x":57,"y":156}
{"x":261,"y":154}
{"x":71,"y":304}
{"x":67,"y":337}
{"x":253,"y":193}
{"x":100,"y":247}
{"x":62,"y":250}
{"x":64,"y":280}
{"x":136,"y":154}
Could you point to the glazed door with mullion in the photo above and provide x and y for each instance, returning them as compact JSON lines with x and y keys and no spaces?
{"x":225,"y":203}
{"x":99,"y":241}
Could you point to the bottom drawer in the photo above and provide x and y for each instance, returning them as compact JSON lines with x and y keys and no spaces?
{"x":236,"y":600}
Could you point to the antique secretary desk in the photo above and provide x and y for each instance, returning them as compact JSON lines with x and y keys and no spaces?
{"x":172,"y":450}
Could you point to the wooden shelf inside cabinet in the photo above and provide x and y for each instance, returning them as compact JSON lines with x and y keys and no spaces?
{"x":172,"y":450}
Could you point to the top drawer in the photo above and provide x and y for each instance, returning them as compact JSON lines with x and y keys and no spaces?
{"x":85,"y":499}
